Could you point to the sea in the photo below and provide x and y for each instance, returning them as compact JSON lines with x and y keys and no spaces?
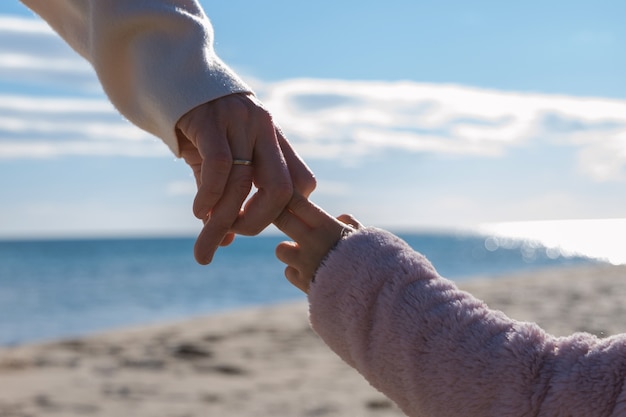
{"x":65,"y":288}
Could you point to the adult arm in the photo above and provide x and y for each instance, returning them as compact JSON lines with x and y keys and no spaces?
{"x":438,"y":351}
{"x":156,"y":62}
{"x":155,"y":59}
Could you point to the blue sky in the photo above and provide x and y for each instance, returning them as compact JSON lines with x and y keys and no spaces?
{"x":413,"y":114}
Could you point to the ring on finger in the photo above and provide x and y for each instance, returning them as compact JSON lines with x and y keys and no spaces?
{"x":245,"y":162}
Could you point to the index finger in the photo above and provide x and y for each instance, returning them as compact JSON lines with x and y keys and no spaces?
{"x":301,"y":217}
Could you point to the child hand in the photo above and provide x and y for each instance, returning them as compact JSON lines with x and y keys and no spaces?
{"x":315,"y":232}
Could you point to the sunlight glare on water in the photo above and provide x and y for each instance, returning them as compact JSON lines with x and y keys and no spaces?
{"x":603,"y":239}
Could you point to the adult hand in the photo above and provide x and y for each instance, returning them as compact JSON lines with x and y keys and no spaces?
{"x":211,"y":136}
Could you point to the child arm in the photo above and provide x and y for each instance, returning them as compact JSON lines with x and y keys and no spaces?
{"x":436,"y":350}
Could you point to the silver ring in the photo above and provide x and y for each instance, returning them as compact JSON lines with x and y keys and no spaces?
{"x":245,"y":162}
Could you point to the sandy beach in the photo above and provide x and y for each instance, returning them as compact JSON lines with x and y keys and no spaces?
{"x":265,"y":361}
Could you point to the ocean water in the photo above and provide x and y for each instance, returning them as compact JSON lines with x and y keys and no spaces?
{"x":53,"y":289}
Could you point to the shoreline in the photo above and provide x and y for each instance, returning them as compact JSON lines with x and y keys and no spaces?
{"x":266,"y":360}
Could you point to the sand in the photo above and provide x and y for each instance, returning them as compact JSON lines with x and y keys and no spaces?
{"x":264,"y":361}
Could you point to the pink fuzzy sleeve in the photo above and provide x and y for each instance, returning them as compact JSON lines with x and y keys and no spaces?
{"x":438,"y":351}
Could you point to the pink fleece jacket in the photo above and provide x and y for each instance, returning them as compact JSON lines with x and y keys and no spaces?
{"x":439,"y":352}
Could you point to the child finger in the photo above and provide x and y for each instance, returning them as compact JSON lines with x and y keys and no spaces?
{"x":287,"y":252}
{"x":296,"y":279}
{"x":350,"y":220}
{"x":291,"y":225}
{"x":307,"y":211}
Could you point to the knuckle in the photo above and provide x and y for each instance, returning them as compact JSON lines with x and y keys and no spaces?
{"x":207,"y":197}
{"x":260,"y":116}
{"x":240,"y":108}
{"x":264,"y":114}
{"x":305,"y":185}
{"x":281,"y":192}
{"x":243,"y":107}
{"x":243,"y":231}
{"x":298,"y":204}
{"x":242,"y":185}
{"x":243,"y":190}
{"x":220,"y":162}
{"x":253,"y":230}
{"x":248,"y":228}
{"x":281,"y":221}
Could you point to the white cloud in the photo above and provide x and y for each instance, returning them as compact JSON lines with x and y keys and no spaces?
{"x":329,"y":118}
{"x":604,"y":159}
{"x":31,"y":52}
{"x":16,"y":24}
{"x":40,"y":127}
{"x":18,"y":149}
{"x":14,"y":61}
{"x":325,"y":119}
{"x":332,"y":188}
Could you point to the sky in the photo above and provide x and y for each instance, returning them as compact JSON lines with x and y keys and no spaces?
{"x":412,"y":114}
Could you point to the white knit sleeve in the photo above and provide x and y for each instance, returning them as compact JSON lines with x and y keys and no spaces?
{"x":154,"y":58}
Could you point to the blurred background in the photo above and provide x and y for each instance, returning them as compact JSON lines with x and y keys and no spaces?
{"x":417,"y":116}
{"x":411,"y":114}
